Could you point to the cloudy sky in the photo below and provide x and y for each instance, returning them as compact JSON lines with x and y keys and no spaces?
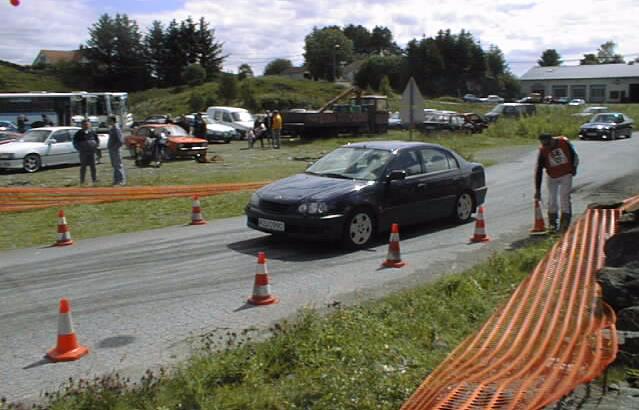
{"x":258,"y":31}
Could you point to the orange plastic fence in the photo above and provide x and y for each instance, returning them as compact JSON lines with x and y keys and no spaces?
{"x":24,"y":199}
{"x":553,"y":334}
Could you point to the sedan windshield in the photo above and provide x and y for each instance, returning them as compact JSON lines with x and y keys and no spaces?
{"x":35,"y":136}
{"x":352,"y":163}
{"x":607,"y":118}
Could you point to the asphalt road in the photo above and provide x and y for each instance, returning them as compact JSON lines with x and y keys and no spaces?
{"x":138,"y":298}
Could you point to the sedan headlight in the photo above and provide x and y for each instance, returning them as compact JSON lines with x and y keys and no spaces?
{"x":7,"y":156}
{"x":313,"y":208}
{"x":255,"y":199}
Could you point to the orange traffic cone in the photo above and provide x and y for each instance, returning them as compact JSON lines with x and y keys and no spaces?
{"x":480,"y":228}
{"x":261,"y":287}
{"x":67,"y":348}
{"x":393,"y":258}
{"x":64,"y":234}
{"x":539,"y":228}
{"x":196,"y":213}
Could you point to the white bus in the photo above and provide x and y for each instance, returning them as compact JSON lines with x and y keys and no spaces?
{"x":65,"y":109}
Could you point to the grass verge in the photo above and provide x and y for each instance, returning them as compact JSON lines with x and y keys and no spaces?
{"x":368,"y":356}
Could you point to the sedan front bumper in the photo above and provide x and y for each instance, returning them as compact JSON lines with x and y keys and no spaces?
{"x":11,"y":163}
{"x":305,"y":226}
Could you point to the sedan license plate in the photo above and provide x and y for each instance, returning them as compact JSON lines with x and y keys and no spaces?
{"x":591,"y":134}
{"x":270,"y":224}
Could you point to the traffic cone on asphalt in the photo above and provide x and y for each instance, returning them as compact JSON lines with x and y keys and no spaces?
{"x":480,"y":227}
{"x":393,"y":258}
{"x":539,"y":228}
{"x":67,"y":348}
{"x":196,"y":213}
{"x":261,"y":287}
{"x":64,"y":234}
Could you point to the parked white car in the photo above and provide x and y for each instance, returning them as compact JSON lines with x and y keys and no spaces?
{"x":238,"y":118}
{"x":492,"y":99}
{"x":215,"y":131}
{"x":577,"y":102}
{"x":43,"y":147}
{"x":590,"y":111}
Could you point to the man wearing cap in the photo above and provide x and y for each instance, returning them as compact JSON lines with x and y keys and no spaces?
{"x":560,"y":159}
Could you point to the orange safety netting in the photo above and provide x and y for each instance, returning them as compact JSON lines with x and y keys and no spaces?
{"x":553,"y":334}
{"x":25,"y":199}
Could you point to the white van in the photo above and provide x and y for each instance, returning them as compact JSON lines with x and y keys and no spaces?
{"x":238,"y":118}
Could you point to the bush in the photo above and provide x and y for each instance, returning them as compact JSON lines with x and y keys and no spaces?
{"x":228,"y":89}
{"x":194,"y":74}
{"x":196,"y":102}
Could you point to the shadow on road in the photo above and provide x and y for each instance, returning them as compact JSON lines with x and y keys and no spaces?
{"x":41,"y":362}
{"x":292,"y":249}
{"x":115,"y":341}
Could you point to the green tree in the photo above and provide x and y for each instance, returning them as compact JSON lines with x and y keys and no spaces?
{"x":194,"y":74}
{"x":381,"y":41}
{"x":196,"y":102}
{"x":361,"y":38}
{"x":174,"y":59}
{"x":277,"y":66}
{"x":228,"y":89}
{"x":589,"y":59}
{"x":155,"y":52}
{"x":549,"y":58}
{"x":606,"y":54}
{"x":116,"y":54}
{"x":324,"y":49}
{"x":247,"y":94}
{"x":385,"y":86}
{"x":244,"y":71}
{"x":377,"y":68}
{"x":209,"y":51}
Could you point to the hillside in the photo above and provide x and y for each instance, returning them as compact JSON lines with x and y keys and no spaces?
{"x":268,"y":92}
{"x":15,"y":78}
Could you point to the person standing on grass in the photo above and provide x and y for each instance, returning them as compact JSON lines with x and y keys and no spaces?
{"x":86,"y":142}
{"x":277,"y":128}
{"x":268,"y":123}
{"x":114,"y":144}
{"x":560,"y":159}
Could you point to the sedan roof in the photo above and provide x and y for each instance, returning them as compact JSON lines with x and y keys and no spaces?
{"x":390,"y":145}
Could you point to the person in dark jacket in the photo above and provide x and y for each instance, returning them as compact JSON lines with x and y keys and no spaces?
{"x":22,"y":123}
{"x":86,"y":142}
{"x":114,"y":144}
{"x":199,"y":126}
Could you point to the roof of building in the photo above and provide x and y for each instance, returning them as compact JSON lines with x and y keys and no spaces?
{"x":572,"y":72}
{"x":56,"y":56}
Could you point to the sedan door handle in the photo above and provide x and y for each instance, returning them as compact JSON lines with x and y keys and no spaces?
{"x":421,"y":185}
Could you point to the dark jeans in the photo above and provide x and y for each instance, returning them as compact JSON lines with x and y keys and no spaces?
{"x":87,"y":158}
{"x":119,"y":176}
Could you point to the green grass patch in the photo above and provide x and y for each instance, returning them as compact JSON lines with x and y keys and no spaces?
{"x":14,"y":80}
{"x":368,"y":356}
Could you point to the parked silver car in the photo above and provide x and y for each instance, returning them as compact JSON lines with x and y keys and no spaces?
{"x":43,"y":147}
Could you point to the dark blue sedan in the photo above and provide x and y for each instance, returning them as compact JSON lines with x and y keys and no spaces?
{"x":359,"y":190}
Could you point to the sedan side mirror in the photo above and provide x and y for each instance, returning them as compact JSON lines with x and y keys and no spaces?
{"x":52,"y":141}
{"x":396,"y":175}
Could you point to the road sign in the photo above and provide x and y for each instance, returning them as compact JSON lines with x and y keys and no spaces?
{"x":412,"y":105}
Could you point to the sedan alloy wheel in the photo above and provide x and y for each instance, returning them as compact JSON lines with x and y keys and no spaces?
{"x":32,"y":163}
{"x":359,"y":229}
{"x":463,"y":207}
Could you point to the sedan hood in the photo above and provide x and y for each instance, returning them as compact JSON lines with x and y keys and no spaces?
{"x":16,"y":147}
{"x":221,"y":128}
{"x":598,"y":125}
{"x":302,"y":187}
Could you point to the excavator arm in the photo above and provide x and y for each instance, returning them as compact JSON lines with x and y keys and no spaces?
{"x":345,"y":93}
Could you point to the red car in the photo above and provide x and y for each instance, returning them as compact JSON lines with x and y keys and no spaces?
{"x":179,"y":143}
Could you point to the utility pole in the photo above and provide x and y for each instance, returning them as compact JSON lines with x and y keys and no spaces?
{"x":335,"y":48}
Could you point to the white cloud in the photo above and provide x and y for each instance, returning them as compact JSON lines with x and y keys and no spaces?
{"x":258,"y":31}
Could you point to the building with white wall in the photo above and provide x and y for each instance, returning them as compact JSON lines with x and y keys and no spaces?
{"x":600,"y":83}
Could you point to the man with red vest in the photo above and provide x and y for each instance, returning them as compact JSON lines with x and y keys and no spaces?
{"x":560,"y":159}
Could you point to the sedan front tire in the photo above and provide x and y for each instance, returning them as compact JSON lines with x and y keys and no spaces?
{"x":32,"y":163}
{"x":359,"y":230}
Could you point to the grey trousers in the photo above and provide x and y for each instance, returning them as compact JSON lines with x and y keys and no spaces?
{"x":119,"y":175}
{"x":87,"y":159}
